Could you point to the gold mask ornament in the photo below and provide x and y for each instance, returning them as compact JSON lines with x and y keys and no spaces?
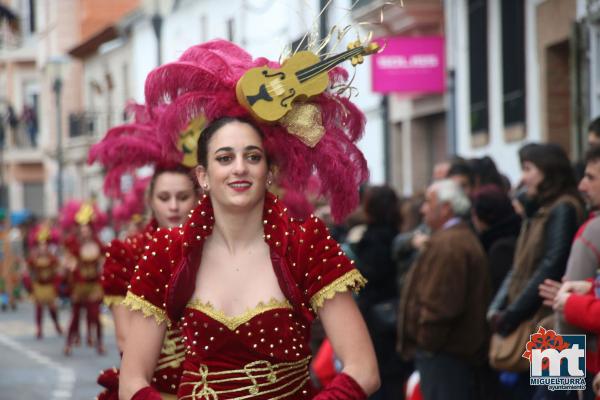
{"x":188,"y":141}
{"x":304,"y":121}
{"x":43,"y":234}
{"x":85,"y":214}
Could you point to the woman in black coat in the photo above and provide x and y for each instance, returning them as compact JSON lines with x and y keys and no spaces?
{"x":498,"y":228}
{"x":378,"y":300}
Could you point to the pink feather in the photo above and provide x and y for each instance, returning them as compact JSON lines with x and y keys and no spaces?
{"x":69,"y":210}
{"x":133,"y":201}
{"x":32,"y":237}
{"x":203,"y":81}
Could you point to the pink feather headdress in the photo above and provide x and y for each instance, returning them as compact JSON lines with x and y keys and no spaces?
{"x":203,"y":82}
{"x":71,"y":214}
{"x":132,"y":202}
{"x":42,"y":232}
{"x":130,"y":146}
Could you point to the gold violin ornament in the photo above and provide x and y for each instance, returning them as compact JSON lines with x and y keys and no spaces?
{"x":269,"y":93}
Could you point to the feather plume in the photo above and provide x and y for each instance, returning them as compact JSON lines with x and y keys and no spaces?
{"x":203,"y":81}
{"x":68,"y":212}
{"x":133,"y":145}
{"x":133,"y":201}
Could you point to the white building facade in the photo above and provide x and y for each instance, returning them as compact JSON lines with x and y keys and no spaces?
{"x":518,"y":67}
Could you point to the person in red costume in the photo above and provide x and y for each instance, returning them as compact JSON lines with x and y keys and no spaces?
{"x":84,"y":258}
{"x":171,"y":196}
{"x":43,"y":269}
{"x":242,"y":278}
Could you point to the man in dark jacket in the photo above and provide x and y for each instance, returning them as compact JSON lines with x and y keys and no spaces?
{"x":443,"y":300}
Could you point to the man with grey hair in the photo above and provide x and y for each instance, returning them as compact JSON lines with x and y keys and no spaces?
{"x":441,"y":320}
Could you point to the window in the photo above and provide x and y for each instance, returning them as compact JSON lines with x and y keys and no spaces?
{"x":230,"y":29}
{"x":203,"y":28}
{"x":302,"y":41}
{"x":513,"y":61}
{"x":33,"y":197}
{"x":595,"y":70}
{"x":31,"y":16}
{"x":478,"y":56}
{"x":30,"y":113}
{"x":27,"y":12}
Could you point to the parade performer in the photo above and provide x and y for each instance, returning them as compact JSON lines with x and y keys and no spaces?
{"x":172,"y":194}
{"x":128,"y":213}
{"x":84,"y":254}
{"x":43,"y":272}
{"x":241,"y":278}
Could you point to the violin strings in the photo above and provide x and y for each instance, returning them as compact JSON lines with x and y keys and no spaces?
{"x":326,"y":64}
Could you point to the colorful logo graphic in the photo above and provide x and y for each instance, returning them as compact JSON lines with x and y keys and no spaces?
{"x":556,"y":361}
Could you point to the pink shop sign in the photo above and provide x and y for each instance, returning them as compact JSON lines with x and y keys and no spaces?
{"x":409,"y":65}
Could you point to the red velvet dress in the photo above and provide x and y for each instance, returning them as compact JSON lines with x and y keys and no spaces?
{"x":264,"y":353}
{"x":121,"y":260}
{"x":85,"y":279}
{"x":86,"y":292}
{"x":43,"y":270}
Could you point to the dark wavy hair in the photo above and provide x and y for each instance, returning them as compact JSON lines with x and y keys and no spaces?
{"x":382,"y":206}
{"x":486,"y":172}
{"x":552,"y":161}
{"x":491,"y":204}
{"x":594,"y":127}
{"x":209,"y":131}
{"x":593,"y":154}
{"x":175,"y":169}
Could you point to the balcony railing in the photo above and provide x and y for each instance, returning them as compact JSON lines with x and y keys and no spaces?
{"x":10,"y":39}
{"x":92,"y":124}
{"x":20,"y":136}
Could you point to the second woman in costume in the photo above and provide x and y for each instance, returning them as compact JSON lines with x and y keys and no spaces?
{"x":171,"y":196}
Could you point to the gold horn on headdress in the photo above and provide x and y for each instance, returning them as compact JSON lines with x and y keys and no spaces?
{"x":188,"y":141}
{"x":85,"y":214}
{"x":43,"y":234}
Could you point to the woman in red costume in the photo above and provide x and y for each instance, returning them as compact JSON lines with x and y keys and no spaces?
{"x":242,"y":278}
{"x":43,"y":270}
{"x":172,"y":194}
{"x":84,"y":255}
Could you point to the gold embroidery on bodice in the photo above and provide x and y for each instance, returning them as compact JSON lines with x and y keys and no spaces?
{"x":232,"y":322}
{"x":42,"y":261}
{"x":295,"y":374}
{"x":173,"y":350}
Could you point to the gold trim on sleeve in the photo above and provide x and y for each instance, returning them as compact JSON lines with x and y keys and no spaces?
{"x":110,"y":300}
{"x":136,"y":303}
{"x":350,"y":280}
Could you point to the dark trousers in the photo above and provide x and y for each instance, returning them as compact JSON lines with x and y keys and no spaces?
{"x":444,"y":377}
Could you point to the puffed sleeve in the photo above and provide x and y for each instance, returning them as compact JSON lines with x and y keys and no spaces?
{"x":327,"y":270}
{"x":117,"y":272}
{"x":151,"y":276}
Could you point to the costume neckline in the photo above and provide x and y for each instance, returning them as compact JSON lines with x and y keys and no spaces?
{"x":201,"y":222}
{"x":232,"y":322}
{"x":277,"y":227}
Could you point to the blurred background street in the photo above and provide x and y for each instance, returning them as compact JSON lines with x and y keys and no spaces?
{"x":32,"y":369}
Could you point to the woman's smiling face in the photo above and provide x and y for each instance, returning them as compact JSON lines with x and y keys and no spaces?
{"x":236,"y":173}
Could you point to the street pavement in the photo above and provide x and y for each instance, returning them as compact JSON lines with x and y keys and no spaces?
{"x":32,"y":369}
